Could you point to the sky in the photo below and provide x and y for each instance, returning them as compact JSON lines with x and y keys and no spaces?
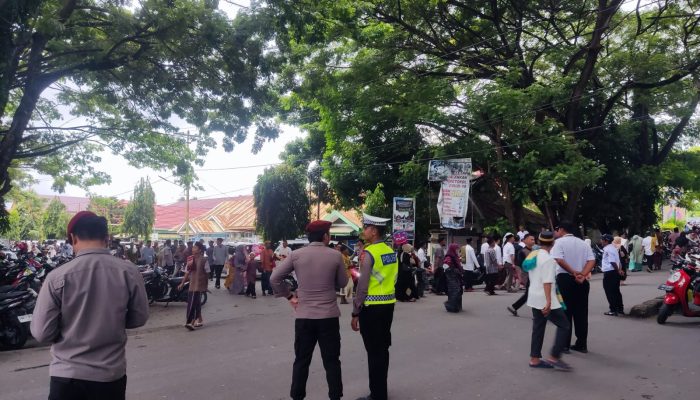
{"x":215,"y":183}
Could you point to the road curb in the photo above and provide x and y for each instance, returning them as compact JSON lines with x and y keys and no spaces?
{"x":647,"y":309}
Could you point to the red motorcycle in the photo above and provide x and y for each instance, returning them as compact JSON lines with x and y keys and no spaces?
{"x":681,"y":292}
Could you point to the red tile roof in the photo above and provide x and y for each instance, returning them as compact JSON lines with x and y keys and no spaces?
{"x":237,"y":214}
{"x":172,"y":216}
{"x":73,"y":204}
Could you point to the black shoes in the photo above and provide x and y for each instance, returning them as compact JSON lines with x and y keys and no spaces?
{"x":610,"y":313}
{"x":580,"y":349}
{"x":512,"y":311}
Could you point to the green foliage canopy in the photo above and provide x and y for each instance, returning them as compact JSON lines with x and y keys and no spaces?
{"x":55,"y":220}
{"x":129,"y":75}
{"x":139,"y":215}
{"x":282,"y":203}
{"x":565,"y":105}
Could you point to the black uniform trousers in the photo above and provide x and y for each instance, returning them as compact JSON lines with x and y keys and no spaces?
{"x":79,"y":389}
{"x":375,"y":327}
{"x":523,"y":299}
{"x":611,"y":284}
{"x":575,"y":297}
{"x":327,"y":333}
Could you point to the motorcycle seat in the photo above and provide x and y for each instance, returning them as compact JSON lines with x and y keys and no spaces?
{"x":12,"y":295}
{"x":175,"y":281}
{"x":7,"y":288}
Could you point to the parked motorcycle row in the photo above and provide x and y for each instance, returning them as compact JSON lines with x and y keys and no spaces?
{"x":21,"y":277}
{"x":161,"y":287}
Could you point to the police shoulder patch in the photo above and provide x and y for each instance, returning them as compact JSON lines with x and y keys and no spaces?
{"x":389,"y":258}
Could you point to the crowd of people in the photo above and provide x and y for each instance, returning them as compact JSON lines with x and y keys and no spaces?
{"x":552,"y":270}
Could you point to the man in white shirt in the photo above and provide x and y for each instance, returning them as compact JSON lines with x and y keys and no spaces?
{"x":522,"y":232}
{"x":648,"y":251}
{"x":612,"y":272}
{"x":469,"y":266}
{"x":576,"y":260}
{"x":484,"y":245}
{"x":284,"y":251}
{"x":542,"y":297}
{"x":509,"y":263}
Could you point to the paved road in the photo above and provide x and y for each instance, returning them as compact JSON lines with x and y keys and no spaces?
{"x":245,"y":352}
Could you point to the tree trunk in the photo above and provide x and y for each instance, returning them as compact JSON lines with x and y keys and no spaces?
{"x":504,"y":182}
{"x":32,"y":91}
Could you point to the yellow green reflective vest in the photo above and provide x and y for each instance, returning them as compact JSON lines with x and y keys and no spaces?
{"x":381,"y":288}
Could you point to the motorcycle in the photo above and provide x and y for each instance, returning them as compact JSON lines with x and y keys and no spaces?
{"x":16,"y":309}
{"x":161,"y":288}
{"x":682,"y":292}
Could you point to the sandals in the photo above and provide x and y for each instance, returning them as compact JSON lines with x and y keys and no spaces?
{"x":542,"y":365}
{"x":198,"y":324}
{"x":559,"y":365}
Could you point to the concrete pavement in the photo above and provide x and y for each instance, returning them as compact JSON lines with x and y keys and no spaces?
{"x":245,"y":351}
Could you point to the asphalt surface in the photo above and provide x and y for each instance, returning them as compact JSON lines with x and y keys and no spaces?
{"x":245,"y":351}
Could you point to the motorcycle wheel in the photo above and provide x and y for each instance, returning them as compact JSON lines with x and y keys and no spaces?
{"x":664,"y":312}
{"x":203,"y":299}
{"x":14,"y":336}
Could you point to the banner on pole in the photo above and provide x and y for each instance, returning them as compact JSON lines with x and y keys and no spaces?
{"x":404,"y":215}
{"x":453,"y":201}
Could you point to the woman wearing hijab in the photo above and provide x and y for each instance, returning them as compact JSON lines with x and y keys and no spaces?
{"x":404,"y":280}
{"x":636,"y":252}
{"x":453,"y":275}
{"x":250,"y":274}
{"x":239,"y":263}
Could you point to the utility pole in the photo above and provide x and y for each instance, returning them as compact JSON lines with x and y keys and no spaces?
{"x":187,"y":200}
{"x":318,"y":192}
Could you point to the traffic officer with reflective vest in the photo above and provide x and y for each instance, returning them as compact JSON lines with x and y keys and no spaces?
{"x":373,"y":308}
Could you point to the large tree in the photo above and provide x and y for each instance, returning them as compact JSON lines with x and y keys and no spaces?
{"x":111,"y":208}
{"x":557,"y":102}
{"x":54,"y":220}
{"x":25,"y":216}
{"x":128,"y":73}
{"x":281,"y":202}
{"x":140,"y":214}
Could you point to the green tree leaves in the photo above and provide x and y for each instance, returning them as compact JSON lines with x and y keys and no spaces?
{"x":55,"y":220}
{"x":282,"y":203}
{"x":139,"y":215}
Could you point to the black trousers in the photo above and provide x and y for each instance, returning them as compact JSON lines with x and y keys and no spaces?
{"x":250,"y":289}
{"x":420,"y":282}
{"x":468,"y":278}
{"x":575,"y":297}
{"x":216,"y":270}
{"x":491,"y":282}
{"x":78,"y":389}
{"x":375,"y":327}
{"x":523,"y":299}
{"x":194,"y":306}
{"x":439,"y":282}
{"x":265,"y":282}
{"x":539,"y":324}
{"x":611,"y":284}
{"x":307,"y":332}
